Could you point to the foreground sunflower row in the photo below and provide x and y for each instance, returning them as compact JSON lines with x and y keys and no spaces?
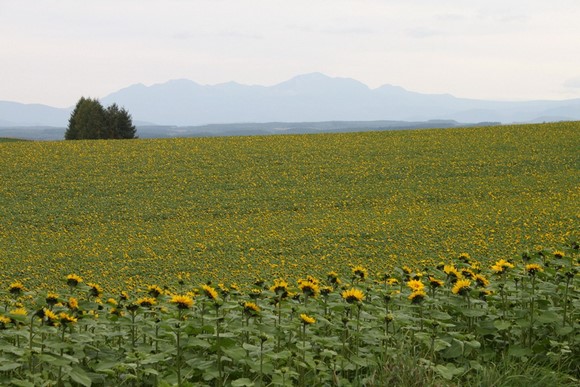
{"x":451,"y":321}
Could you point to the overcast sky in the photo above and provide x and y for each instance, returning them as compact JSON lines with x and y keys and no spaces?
{"x":54,"y":51}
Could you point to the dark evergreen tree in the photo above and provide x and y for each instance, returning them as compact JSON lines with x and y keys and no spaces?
{"x":90,"y":120}
{"x":119,"y":123}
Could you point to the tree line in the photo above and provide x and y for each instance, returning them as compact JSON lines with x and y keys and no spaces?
{"x":90,"y":120}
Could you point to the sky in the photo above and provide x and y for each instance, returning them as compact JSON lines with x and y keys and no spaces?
{"x":55,"y":51}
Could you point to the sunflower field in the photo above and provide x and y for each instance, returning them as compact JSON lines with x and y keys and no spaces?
{"x":330,"y":259}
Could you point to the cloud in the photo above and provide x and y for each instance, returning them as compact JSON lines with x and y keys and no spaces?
{"x":573,"y":83}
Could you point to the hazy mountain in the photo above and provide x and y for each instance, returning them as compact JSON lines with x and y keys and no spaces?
{"x":311,"y":97}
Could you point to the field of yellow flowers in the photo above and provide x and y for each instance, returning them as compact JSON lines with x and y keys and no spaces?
{"x":408,"y":257}
{"x":128,"y":213}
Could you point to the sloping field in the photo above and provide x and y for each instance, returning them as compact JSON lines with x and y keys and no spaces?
{"x":124,"y":213}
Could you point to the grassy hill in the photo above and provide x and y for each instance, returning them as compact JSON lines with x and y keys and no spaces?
{"x":229,"y":209}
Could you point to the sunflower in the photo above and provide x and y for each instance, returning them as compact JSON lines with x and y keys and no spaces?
{"x":306,"y":319}
{"x":501,"y":266}
{"x":280,"y":287}
{"x":359,"y":272}
{"x":309,"y":288}
{"x":461,"y":287}
{"x":452,"y":274}
{"x":533,"y":268}
{"x":73,"y":280}
{"x":352,"y":295}
{"x":333,"y":278}
{"x":4,"y":321}
{"x":146,"y":302}
{"x":51,"y":298}
{"x":16,"y":288}
{"x":73,"y":303}
{"x":66,"y":319}
{"x":326,"y":290}
{"x":435,"y":283}
{"x":464,"y":257}
{"x":182,"y":302}
{"x":255,"y":293}
{"x":50,"y":316}
{"x":209,"y":292}
{"x":95,"y":289}
{"x":154,"y":290}
{"x":417,"y":296}
{"x":559,"y":254}
{"x":481,"y":281}
{"x":251,"y":309}
{"x":415,"y":285}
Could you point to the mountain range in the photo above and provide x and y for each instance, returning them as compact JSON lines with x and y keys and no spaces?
{"x":311,"y":97}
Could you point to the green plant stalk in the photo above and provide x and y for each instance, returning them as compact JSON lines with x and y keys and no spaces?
{"x":178,"y":344}
{"x":566,"y":301}
{"x":61,"y":353}
{"x":532,"y":303}
{"x":218,"y":347}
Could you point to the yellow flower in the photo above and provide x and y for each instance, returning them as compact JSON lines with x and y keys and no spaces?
{"x":95,"y":289}
{"x":451,"y":272}
{"x":280,"y":287}
{"x":73,"y":280}
{"x":533,"y":268}
{"x":435,"y":283}
{"x":417,"y":296}
{"x":309,"y":288}
{"x":559,"y":254}
{"x":112,"y":301}
{"x":210,"y":292}
{"x":326,"y":290}
{"x":5,"y":320}
{"x":154,"y":291}
{"x":332,"y":277}
{"x":306,"y":319}
{"x":481,"y":281}
{"x":146,"y":302}
{"x":392,"y":281}
{"x":66,"y":319}
{"x":19,"y":311}
{"x":415,"y":285}
{"x":51,"y":317}
{"x":182,"y":302}
{"x":51,"y":298}
{"x":251,"y":308}
{"x":360,"y":272}
{"x":352,"y":295}
{"x":16,"y":288}
{"x":501,"y":266}
{"x":73,"y":303}
{"x":461,"y":287}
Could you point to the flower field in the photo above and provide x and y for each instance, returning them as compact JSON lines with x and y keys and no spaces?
{"x":448,"y":323}
{"x":330,"y":259}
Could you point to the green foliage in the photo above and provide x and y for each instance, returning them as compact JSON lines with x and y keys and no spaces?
{"x":192,"y":335}
{"x":90,"y":120}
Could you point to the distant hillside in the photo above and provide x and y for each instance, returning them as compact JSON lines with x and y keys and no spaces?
{"x":305,"y":98}
{"x":166,"y":131}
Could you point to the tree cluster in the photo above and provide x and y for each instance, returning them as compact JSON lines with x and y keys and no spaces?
{"x":90,"y":120}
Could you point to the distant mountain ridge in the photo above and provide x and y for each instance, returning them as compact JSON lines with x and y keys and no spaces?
{"x":311,"y":97}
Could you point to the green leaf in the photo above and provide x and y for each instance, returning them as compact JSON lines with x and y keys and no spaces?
{"x":517,"y":351}
{"x":548,"y":317}
{"x":473,"y":312}
{"x":9,"y":366}
{"x":22,"y":383}
{"x":448,"y":371}
{"x":80,"y":376}
{"x":242,"y":382}
{"x":501,"y":325}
